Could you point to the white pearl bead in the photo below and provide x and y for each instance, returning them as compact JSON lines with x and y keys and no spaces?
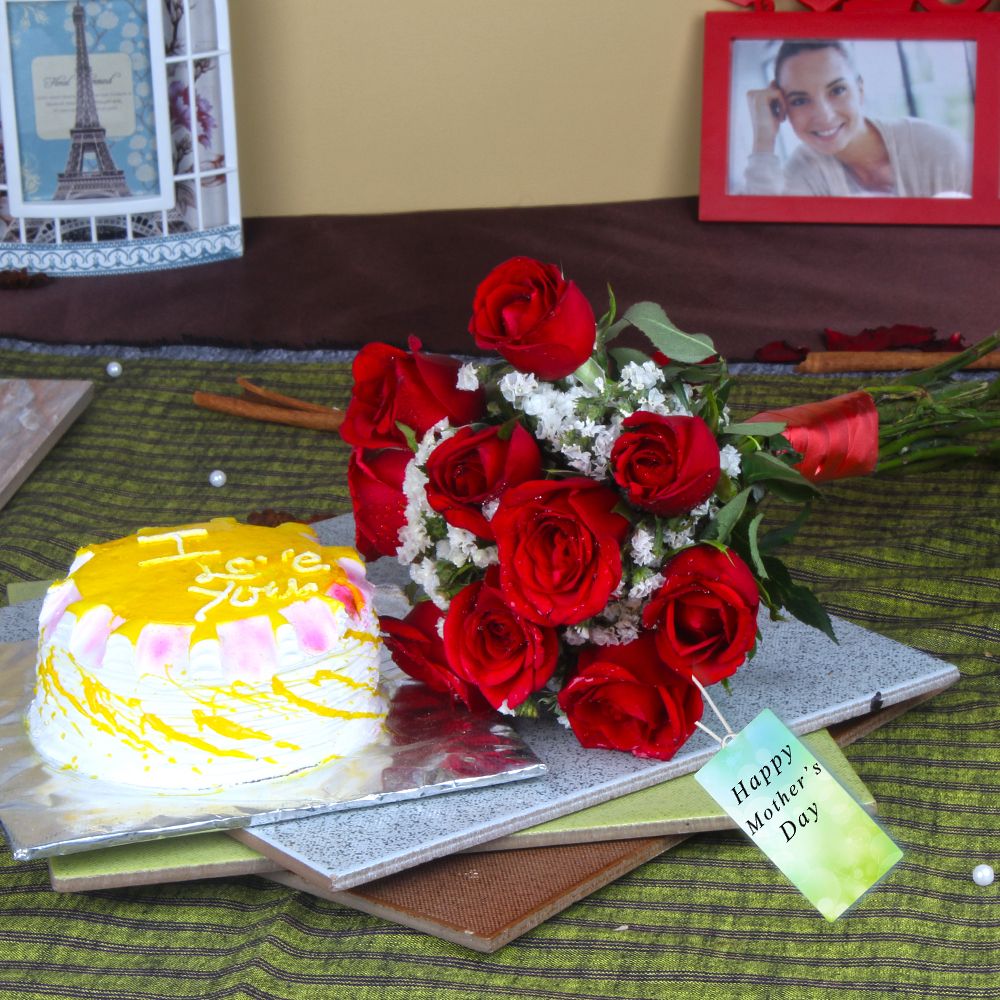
{"x":982,"y":875}
{"x":114,"y":369}
{"x":217,"y":477}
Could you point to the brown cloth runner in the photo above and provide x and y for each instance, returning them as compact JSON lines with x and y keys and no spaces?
{"x":341,"y":281}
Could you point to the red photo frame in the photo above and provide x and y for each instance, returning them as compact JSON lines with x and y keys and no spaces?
{"x":739,"y":53}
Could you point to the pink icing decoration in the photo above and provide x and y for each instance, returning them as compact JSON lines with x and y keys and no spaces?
{"x":356,"y":575}
{"x":57,"y":600}
{"x":249,"y":651}
{"x":314,"y":624}
{"x":341,"y":592}
{"x":90,"y":636}
{"x":162,"y":646}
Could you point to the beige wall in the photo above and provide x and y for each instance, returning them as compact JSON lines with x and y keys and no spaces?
{"x":389,"y":105}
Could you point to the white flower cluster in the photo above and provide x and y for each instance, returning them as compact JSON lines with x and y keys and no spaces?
{"x":676,"y":534}
{"x":638,"y":389}
{"x":460,"y":547}
{"x":424,"y":573}
{"x":616,"y":625}
{"x":417,"y":549}
{"x":582,"y":423}
{"x":641,"y":547}
{"x":557,"y":421}
{"x":468,"y":378}
{"x":414,"y":538}
{"x":644,"y":587}
{"x":729,"y":460}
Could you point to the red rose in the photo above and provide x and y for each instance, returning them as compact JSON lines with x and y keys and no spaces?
{"x":418,"y":650}
{"x":559,"y":544}
{"x":473,"y":467}
{"x":623,"y":698}
{"x":667,"y":465}
{"x":504,"y":655}
{"x":375,"y":479}
{"x":705,"y":613}
{"x":394,"y":386}
{"x":536,"y":319}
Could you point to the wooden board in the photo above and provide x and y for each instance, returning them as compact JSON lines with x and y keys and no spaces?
{"x":34,"y":414}
{"x":484,"y":901}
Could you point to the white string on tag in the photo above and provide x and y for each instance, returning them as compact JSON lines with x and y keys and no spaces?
{"x":730,"y":735}
{"x":708,"y":732}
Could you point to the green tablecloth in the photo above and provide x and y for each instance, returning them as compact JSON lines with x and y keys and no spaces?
{"x":916,"y":559}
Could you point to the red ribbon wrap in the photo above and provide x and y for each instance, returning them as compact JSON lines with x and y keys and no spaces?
{"x":837,"y":438}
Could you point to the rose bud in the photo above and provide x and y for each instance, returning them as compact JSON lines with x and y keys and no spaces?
{"x":837,"y":438}
{"x":473,"y":467}
{"x":705,"y":613}
{"x":392,"y":386}
{"x":417,"y":649}
{"x":623,"y":698}
{"x":532,"y":316}
{"x":559,"y":545}
{"x":375,"y":480}
{"x":667,"y":465}
{"x":502,"y":654}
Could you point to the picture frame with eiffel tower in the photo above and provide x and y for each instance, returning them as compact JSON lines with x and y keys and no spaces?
{"x":117,"y":135}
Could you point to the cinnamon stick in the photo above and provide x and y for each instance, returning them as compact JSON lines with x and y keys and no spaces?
{"x":326,"y":420}
{"x":256,"y":393}
{"x":823,"y":362}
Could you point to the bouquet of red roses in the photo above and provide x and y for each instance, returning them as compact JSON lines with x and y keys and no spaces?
{"x":582,"y":521}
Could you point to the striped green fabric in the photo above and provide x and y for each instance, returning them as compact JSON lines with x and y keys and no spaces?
{"x":917,"y":560}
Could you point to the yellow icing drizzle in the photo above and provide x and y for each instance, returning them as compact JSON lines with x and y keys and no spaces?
{"x":331,"y":675}
{"x":283,"y":691}
{"x":352,"y":633}
{"x":155,"y":722}
{"x":234,"y":731}
{"x":97,"y":712}
{"x":209,"y":574}
{"x":226,"y":727}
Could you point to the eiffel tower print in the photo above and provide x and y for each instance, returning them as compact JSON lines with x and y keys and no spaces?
{"x":90,"y":170}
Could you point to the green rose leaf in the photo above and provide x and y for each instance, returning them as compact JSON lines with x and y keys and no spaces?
{"x":727,"y":518}
{"x":686,"y":348}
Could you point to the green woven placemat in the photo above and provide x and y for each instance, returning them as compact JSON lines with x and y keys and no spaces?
{"x":915,"y":559}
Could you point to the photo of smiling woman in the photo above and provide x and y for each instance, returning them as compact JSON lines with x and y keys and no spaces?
{"x":832,"y":118}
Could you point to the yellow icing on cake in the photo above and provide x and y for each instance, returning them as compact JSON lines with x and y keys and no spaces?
{"x":208,"y":574}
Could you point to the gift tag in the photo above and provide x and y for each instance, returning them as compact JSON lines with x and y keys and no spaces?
{"x":799,"y":815}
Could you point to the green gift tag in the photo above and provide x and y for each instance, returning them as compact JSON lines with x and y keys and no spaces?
{"x":799,"y":815}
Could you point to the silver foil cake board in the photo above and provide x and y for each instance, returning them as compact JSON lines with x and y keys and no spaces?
{"x":807,"y":680}
{"x":428,"y":748}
